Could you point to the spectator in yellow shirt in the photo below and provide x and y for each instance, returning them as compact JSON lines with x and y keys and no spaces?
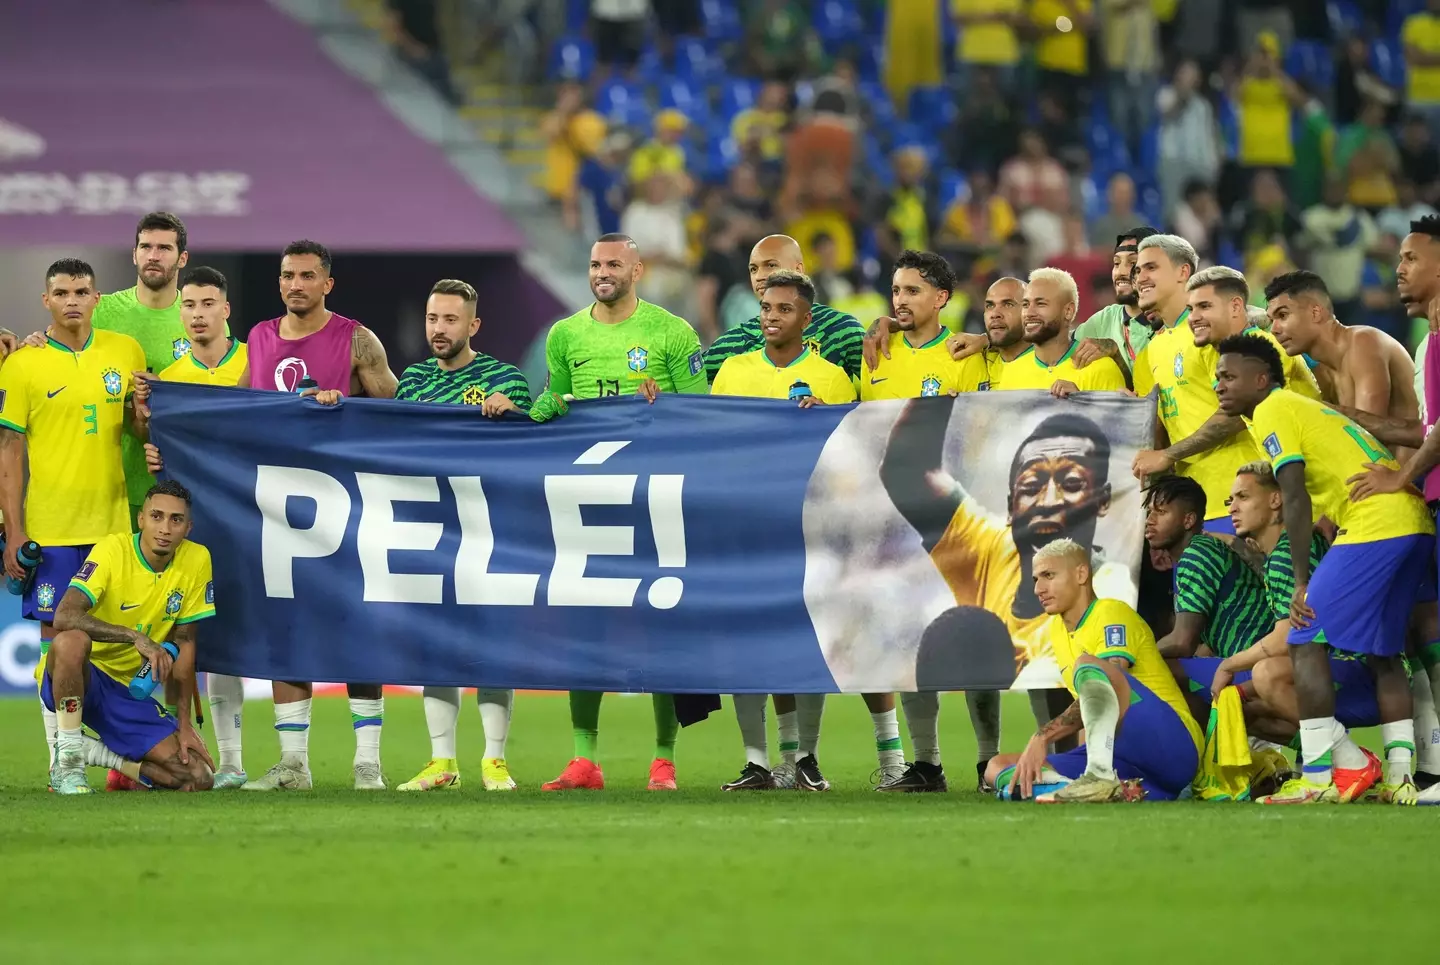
{"x":761,"y":127}
{"x":1062,"y":52}
{"x":1421,"y":37}
{"x":573,"y":133}
{"x":663,"y":154}
{"x":1264,"y":98}
{"x":988,"y":37}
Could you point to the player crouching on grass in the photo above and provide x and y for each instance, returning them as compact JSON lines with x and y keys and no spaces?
{"x":1140,"y":740}
{"x":131,"y":595}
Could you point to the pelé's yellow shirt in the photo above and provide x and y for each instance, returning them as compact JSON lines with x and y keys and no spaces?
{"x":1185,"y":375}
{"x":1109,"y":629}
{"x":1028,"y":372}
{"x":978,"y":560}
{"x":1291,"y":428}
{"x":188,"y":368}
{"x":70,"y":406}
{"x":123,"y":590}
{"x":921,"y":371}
{"x":753,"y":374}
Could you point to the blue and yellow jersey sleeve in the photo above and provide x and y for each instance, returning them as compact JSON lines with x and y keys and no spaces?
{"x":198,"y":602}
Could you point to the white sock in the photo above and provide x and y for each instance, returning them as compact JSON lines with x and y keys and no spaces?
{"x":810,"y":708}
{"x":887,"y":738}
{"x":1346,"y":752}
{"x":292,"y":723}
{"x":1100,"y":712}
{"x":48,"y":716}
{"x":922,"y":719}
{"x":98,"y":755}
{"x":750,"y":715}
{"x":984,"y":707}
{"x":1399,"y":739}
{"x":1318,"y":736}
{"x":69,"y":741}
{"x":496,"y":706}
{"x":1432,"y":672}
{"x":227,"y":701}
{"x":788,"y":725}
{"x":1427,"y":726}
{"x":1257,"y":744}
{"x":367,"y":716}
{"x":442,"y":712}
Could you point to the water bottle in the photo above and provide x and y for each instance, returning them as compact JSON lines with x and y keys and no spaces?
{"x":29,"y":557}
{"x":306,"y":383}
{"x":143,"y":684}
{"x":798,"y":391}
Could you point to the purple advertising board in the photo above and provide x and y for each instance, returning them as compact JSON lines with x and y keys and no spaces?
{"x":226,"y":112}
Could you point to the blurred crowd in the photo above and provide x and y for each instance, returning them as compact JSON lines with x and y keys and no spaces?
{"x":1005,"y":134}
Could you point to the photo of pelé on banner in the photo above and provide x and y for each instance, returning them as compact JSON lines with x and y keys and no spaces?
{"x":923,"y":516}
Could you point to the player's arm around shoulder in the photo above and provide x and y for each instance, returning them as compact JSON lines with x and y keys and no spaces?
{"x":371,"y":366}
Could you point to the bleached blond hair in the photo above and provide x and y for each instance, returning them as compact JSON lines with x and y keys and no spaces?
{"x":1177,"y":250}
{"x":1060,"y":277}
{"x":1261,"y":470}
{"x":1227,"y":281}
{"x":1063,"y":549}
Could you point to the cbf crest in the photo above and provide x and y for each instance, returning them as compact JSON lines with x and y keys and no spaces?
{"x":1179,"y":364}
{"x":179,"y":347}
{"x":929,"y":387}
{"x":172,"y":603}
{"x":473,"y":395}
{"x":114,"y":385}
{"x":45,"y":596}
{"x":638,"y":359}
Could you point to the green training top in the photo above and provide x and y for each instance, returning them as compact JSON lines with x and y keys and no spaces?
{"x":1112,"y":322}
{"x":836,"y":337}
{"x":484,"y":376}
{"x":1211,"y":579}
{"x":589,"y":359}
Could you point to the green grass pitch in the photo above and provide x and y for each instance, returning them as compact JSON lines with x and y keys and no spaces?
{"x":631,"y":876}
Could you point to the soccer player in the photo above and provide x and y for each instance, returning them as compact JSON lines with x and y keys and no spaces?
{"x":132,"y":593}
{"x":620,"y":345}
{"x":1219,"y":599}
{"x":63,"y":408}
{"x":786,"y":368}
{"x":1121,"y":330}
{"x":1059,"y":486}
{"x":1049,"y":305}
{"x":342,"y":357}
{"x":1361,"y":594}
{"x":834,"y":336}
{"x":1137,"y":727}
{"x":1358,"y":366}
{"x":1194,"y":438}
{"x":1257,"y":508}
{"x":1004,"y":338}
{"x":457,"y":374}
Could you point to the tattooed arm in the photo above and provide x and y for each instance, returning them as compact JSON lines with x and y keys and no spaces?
{"x":371,"y":366}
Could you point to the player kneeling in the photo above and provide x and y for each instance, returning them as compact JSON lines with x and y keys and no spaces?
{"x":1109,"y":661}
{"x":131,"y":594}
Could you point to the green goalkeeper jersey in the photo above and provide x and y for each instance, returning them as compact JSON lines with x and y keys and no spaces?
{"x":836,"y":337}
{"x":589,"y":359}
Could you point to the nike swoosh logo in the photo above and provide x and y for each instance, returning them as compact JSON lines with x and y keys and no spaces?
{"x":580,"y":363}
{"x":128,"y":606}
{"x":51,"y":395}
{"x":878,"y":381}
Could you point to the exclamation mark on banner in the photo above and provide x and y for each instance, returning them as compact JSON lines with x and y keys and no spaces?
{"x":667,"y":521}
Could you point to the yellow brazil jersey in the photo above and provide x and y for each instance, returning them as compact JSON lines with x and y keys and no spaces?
{"x":1067,"y":51}
{"x":190,"y":369}
{"x":126,"y":592}
{"x":978,"y":560}
{"x":987,"y":42}
{"x":71,"y":408}
{"x":1028,"y":372}
{"x":921,"y":371}
{"x":1264,"y":117}
{"x":754,"y":375}
{"x":1291,"y":428}
{"x":1422,"y":31}
{"x":1185,"y":375}
{"x":1110,"y":629}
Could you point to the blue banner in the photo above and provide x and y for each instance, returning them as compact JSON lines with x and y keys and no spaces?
{"x":695,"y":545}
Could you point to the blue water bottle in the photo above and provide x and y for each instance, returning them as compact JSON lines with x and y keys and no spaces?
{"x":29,"y":558}
{"x":306,"y":383}
{"x":799,"y":390}
{"x":143,"y":684}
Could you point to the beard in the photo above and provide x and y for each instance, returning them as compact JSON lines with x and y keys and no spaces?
{"x":1130,"y":299}
{"x":451,"y":350}
{"x":161,"y":282}
{"x":621,"y":290}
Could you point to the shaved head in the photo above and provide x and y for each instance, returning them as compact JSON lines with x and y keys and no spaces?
{"x":771,"y":254}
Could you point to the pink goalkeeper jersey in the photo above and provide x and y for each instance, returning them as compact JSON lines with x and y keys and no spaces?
{"x":283,"y":363}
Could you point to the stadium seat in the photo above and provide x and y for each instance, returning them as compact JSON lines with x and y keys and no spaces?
{"x":1311,"y":61}
{"x":1150,"y":204}
{"x":1396,"y":12}
{"x":1345,"y":17}
{"x":693,"y":62}
{"x":932,"y":108}
{"x":1229,"y":127}
{"x":650,"y":68}
{"x":721,"y":155}
{"x":737,"y":95}
{"x":722,"y":21}
{"x":577,"y":15}
{"x":684,"y":97}
{"x":624,"y":104}
{"x":869,"y":59}
{"x":838,"y":24}
{"x":572,"y":58}
{"x":1149,"y":159}
{"x":1388,"y":60}
{"x":954,"y":188}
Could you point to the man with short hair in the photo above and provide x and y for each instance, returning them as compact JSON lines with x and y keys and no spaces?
{"x":1360,"y":596}
{"x":130,"y":595}
{"x":1049,"y":306}
{"x":457,"y":374}
{"x":63,"y":409}
{"x":1198,"y":440}
{"x":1140,"y":740}
{"x":1004,"y":338}
{"x":620,"y":345}
{"x":1121,"y":330}
{"x":833,"y":335}
{"x":786,"y":368}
